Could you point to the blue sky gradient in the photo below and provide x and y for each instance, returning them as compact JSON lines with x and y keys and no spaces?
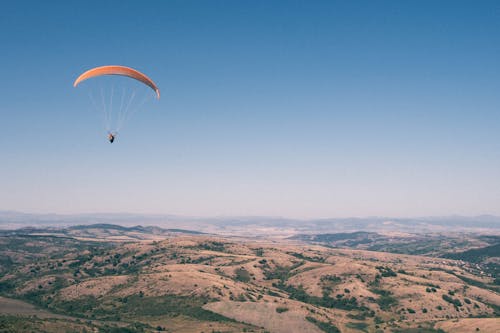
{"x":284,"y":108}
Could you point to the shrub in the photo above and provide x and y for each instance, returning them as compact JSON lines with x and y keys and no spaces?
{"x":330,"y":278}
{"x":386,"y":300}
{"x":242,"y":275}
{"x":324,"y":326}
{"x":386,"y":271}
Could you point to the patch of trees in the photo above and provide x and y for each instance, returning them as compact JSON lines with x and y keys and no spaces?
{"x":132,"y":328}
{"x":418,"y":330}
{"x":281,"y":273}
{"x":6,"y":286}
{"x":171,"y":305}
{"x":327,"y":327}
{"x":340,"y":302}
{"x":330,"y":278}
{"x":242,"y":275}
{"x":303,"y":257}
{"x":362,"y":315}
{"x":454,"y":301}
{"x":358,"y":326}
{"x":82,"y":307}
{"x":386,"y":271}
{"x":470,"y":281}
{"x":385,"y":300}
{"x":476,"y":255}
{"x":259,"y":252}
{"x":213,"y":246}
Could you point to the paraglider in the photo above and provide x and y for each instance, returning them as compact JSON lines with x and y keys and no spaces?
{"x":118,"y":70}
{"x":114,"y":119}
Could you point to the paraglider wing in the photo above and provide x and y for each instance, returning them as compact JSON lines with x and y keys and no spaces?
{"x":118,"y":70}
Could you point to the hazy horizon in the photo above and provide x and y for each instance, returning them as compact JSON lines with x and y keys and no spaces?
{"x":184,"y":216}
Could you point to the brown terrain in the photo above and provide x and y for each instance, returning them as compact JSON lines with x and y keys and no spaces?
{"x":202,"y":283}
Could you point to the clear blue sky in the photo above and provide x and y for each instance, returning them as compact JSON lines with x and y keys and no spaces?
{"x":289,"y":108}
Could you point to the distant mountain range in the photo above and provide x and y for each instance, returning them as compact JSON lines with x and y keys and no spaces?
{"x":100,"y":232}
{"x":258,"y":225}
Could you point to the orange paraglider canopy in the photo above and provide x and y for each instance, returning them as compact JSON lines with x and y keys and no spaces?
{"x":118,"y":70}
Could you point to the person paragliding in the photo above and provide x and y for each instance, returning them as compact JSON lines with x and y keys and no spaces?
{"x":125,"y":110}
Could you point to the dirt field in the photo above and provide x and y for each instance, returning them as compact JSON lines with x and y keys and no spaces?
{"x":265,"y":315}
{"x":489,"y":325}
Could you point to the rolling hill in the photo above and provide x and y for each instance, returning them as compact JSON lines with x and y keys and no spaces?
{"x":194,"y":283}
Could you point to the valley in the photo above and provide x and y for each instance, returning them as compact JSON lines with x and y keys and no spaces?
{"x":183,"y":281}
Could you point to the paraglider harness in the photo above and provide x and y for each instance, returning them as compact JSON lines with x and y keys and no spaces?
{"x":111,"y":137}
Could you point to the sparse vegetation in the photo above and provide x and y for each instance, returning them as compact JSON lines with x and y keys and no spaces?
{"x":281,"y":309}
{"x":324,"y":326}
{"x":386,"y":271}
{"x":418,"y":330}
{"x":385,"y":300}
{"x":330,"y":278}
{"x":78,"y":278}
{"x":345,"y":303}
{"x":307,"y":258}
{"x":242,"y":275}
{"x":454,"y":301}
{"x":358,"y":326}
